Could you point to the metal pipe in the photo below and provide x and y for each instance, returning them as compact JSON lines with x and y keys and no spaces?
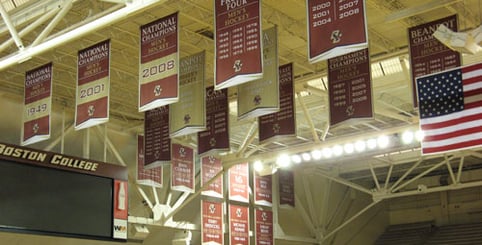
{"x":11,"y":27}
{"x":88,"y":28}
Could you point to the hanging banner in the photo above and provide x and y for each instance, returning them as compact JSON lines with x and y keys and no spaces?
{"x":335,"y":28}
{"x":427,"y":54}
{"x":349,"y":87}
{"x":282,"y":123}
{"x":159,"y":68}
{"x":238,"y":225}
{"x":148,"y":177}
{"x":286,"y":188}
{"x":37,"y":105}
{"x":261,"y":96}
{"x":157,"y":143}
{"x":263,"y":190}
{"x":210,"y":167}
{"x":93,"y":83}
{"x":188,"y":115}
{"x":182,"y":168}
{"x":263,"y":220}
{"x":216,"y":136}
{"x":238,"y":184}
{"x":238,"y":42}
{"x":212,"y":223}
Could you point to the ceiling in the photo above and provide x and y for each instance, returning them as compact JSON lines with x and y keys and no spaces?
{"x":54,"y":30}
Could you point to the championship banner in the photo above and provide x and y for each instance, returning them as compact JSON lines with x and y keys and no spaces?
{"x":427,"y":54}
{"x":188,"y":115}
{"x":238,"y":44}
{"x":263,"y":190}
{"x":159,"y":68}
{"x":212,"y":223}
{"x":182,"y":168}
{"x":148,"y":177}
{"x":263,"y":220}
{"x":216,"y":136}
{"x":157,"y":144}
{"x":261,"y":96}
{"x":286,"y":188}
{"x":93,"y":82}
{"x":37,"y":105}
{"x":349,"y":87}
{"x":282,"y":123}
{"x":335,"y":28}
{"x":210,"y":167}
{"x":238,"y":225}
{"x":238,"y":183}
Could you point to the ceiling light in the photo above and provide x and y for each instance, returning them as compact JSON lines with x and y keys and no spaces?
{"x":349,"y":148}
{"x":296,"y":158}
{"x":360,"y":146}
{"x":327,"y":152}
{"x":419,"y":135}
{"x":306,"y":156}
{"x":283,"y":161}
{"x":407,"y":137}
{"x":372,"y":144}
{"x":258,"y":166}
{"x":337,"y":150}
{"x":383,"y":141}
{"x":316,"y":154}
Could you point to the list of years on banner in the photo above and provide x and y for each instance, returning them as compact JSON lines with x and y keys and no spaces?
{"x":434,"y":65}
{"x":321,"y":13}
{"x":232,"y":42}
{"x":355,"y":92}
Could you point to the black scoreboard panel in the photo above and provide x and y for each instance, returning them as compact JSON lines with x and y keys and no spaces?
{"x":57,"y":201}
{"x":49,"y":193}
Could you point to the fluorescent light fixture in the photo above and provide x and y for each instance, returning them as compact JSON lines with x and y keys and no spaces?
{"x":349,"y":148}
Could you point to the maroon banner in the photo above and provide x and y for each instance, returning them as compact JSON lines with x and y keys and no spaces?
{"x":37,"y":105}
{"x":263,"y":190}
{"x":149,"y":177}
{"x":281,"y":123}
{"x":238,"y":225}
{"x":286,"y":188}
{"x":159,"y":63}
{"x":238,"y":42}
{"x":212,"y":223}
{"x":182,"y":168}
{"x":93,"y":82}
{"x":216,"y":136}
{"x":350,"y":89}
{"x":263,"y":220}
{"x":335,"y":27}
{"x":210,"y":167}
{"x":239,"y":182}
{"x":427,"y":54}
{"x":157,"y":143}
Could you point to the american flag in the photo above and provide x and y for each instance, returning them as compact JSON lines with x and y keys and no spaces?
{"x":450,"y":107}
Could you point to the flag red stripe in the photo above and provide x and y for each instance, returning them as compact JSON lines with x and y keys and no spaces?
{"x":472,"y":68}
{"x":429,"y":150}
{"x":473,"y":105}
{"x":457,"y":133}
{"x":473,"y":92}
{"x":430,"y":126}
